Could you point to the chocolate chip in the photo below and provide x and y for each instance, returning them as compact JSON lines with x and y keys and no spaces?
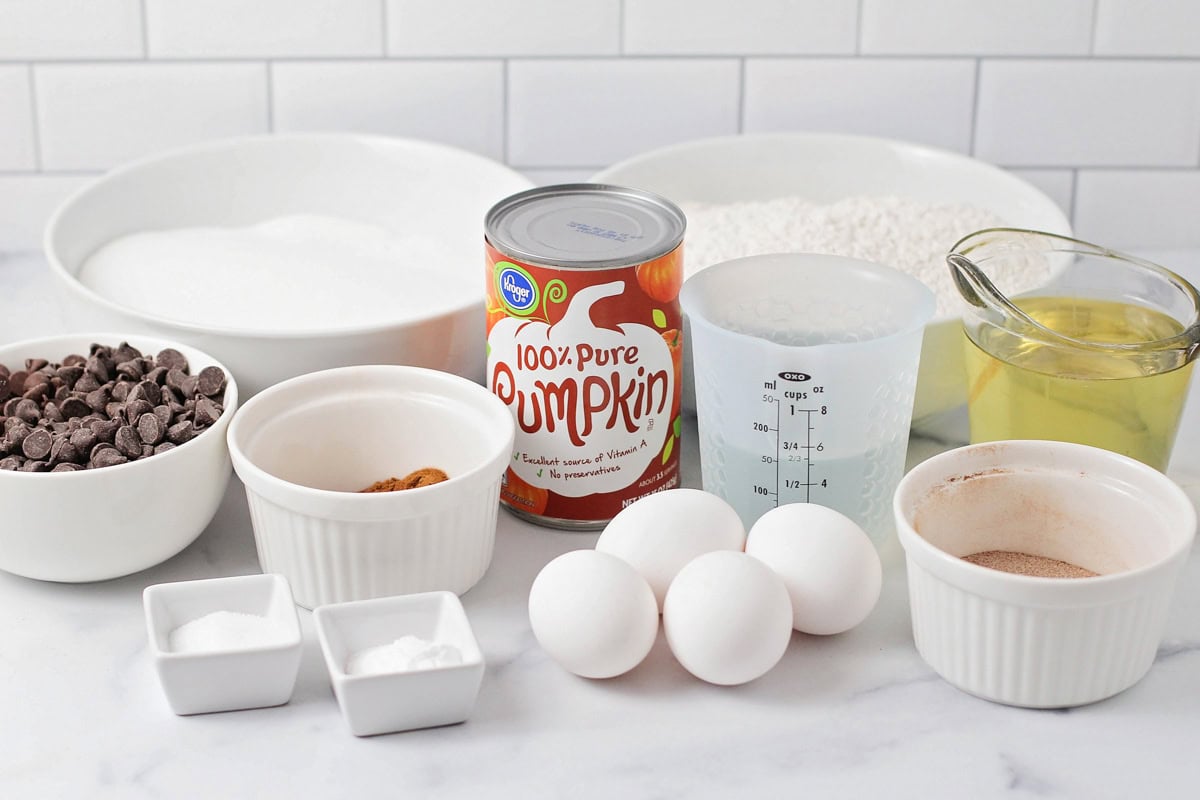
{"x":74,"y":407}
{"x":36,"y":392}
{"x":66,"y":466}
{"x":27,"y":410}
{"x":181,"y":432}
{"x":98,"y":367}
{"x":34,"y":364}
{"x":5,"y":392}
{"x":74,"y":360}
{"x":62,"y":450}
{"x":35,"y":465}
{"x":148,"y":391}
{"x":175,"y":378}
{"x":37,"y":444}
{"x":131,"y":370}
{"x":4,"y":371}
{"x":10,"y":463}
{"x":106,"y":430}
{"x":157,"y":374}
{"x":164,"y":415}
{"x":16,"y":381}
{"x":134,"y":410}
{"x":10,"y":406}
{"x":126,"y":352}
{"x":188,"y":387}
{"x":151,"y":429}
{"x":172,"y":359}
{"x":83,"y":440}
{"x":108,"y":457}
{"x":69,"y":374}
{"x":51,"y":412}
{"x":120,"y":392}
{"x":163,"y":447}
{"x":87,"y":383}
{"x":206,"y":412}
{"x":210,"y":381}
{"x":127,"y":441}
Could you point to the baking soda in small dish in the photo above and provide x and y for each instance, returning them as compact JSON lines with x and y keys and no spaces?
{"x":406,"y":654}
{"x":227,"y":630}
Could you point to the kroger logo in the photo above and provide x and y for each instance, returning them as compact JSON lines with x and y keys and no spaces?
{"x":517,"y":288}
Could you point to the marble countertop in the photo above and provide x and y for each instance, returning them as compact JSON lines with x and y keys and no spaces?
{"x":856,"y":715}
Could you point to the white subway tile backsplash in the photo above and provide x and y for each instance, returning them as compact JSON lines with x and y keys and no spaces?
{"x":977,"y":27}
{"x":1135,"y":28}
{"x":509,"y":28}
{"x":1089,"y":113}
{"x":1057,"y":184}
{"x":565,"y":113}
{"x":455,"y":102}
{"x":750,"y":27}
{"x":70,"y":29}
{"x":95,"y":116}
{"x":26,"y":202}
{"x":1135,"y":208}
{"x":927,"y":101}
{"x":264,"y":28}
{"x":17,"y":151}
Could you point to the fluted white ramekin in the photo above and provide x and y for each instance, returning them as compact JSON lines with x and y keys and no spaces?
{"x":1032,"y":641}
{"x":305,"y":447}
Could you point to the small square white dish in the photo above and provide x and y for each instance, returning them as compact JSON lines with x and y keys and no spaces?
{"x":400,"y":701}
{"x":227,"y":678}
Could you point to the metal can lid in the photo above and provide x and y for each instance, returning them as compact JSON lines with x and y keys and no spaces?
{"x":585,"y":226}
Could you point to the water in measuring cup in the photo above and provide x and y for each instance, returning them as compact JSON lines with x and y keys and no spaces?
{"x":855,"y":484}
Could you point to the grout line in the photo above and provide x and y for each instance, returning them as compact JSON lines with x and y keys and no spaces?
{"x":1092,"y":34}
{"x":741,"y":109}
{"x":858,"y":32}
{"x":791,"y":56}
{"x":621,"y":28}
{"x":270,"y":96}
{"x":975,"y":107}
{"x":145,"y":30}
{"x":34,"y":122}
{"x":383,"y":25}
{"x":1074,"y":196}
{"x":505,"y":116}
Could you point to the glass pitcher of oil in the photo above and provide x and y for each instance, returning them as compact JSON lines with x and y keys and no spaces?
{"x":1100,"y":355}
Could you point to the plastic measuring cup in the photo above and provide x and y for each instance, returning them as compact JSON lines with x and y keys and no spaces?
{"x":806,"y":368}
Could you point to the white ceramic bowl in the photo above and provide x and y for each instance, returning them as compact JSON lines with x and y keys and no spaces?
{"x":404,"y":186}
{"x":826,"y":167}
{"x":400,"y":701}
{"x":1035,"y":641}
{"x":305,"y":447}
{"x":229,"y":679}
{"x":97,"y":524}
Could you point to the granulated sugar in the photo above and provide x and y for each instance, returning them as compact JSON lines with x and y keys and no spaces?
{"x":908,"y":235}
{"x":297,"y":273}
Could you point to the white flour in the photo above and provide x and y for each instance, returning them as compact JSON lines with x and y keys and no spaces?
{"x":908,"y":235}
{"x":286,"y":274}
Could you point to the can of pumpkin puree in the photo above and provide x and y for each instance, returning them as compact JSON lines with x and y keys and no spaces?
{"x":584,"y":337}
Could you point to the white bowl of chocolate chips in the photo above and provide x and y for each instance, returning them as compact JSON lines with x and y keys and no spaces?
{"x":112,"y":453}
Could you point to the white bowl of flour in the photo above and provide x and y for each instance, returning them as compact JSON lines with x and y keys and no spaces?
{"x":289,"y":254}
{"x":893,"y":203}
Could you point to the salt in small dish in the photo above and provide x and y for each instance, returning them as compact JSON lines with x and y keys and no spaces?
{"x":406,"y":700}
{"x":227,"y":679}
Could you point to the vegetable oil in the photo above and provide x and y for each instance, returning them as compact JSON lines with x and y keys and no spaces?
{"x":1023,"y":387}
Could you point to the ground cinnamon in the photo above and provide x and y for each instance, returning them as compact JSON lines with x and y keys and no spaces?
{"x":426,"y":476}
{"x":1025,"y":564}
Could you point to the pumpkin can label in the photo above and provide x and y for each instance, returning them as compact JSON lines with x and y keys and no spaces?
{"x":589,"y":362}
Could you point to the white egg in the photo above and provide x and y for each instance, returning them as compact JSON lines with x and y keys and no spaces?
{"x":727,"y":618}
{"x":662,"y":532}
{"x":593,"y":614}
{"x":831,"y":569}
